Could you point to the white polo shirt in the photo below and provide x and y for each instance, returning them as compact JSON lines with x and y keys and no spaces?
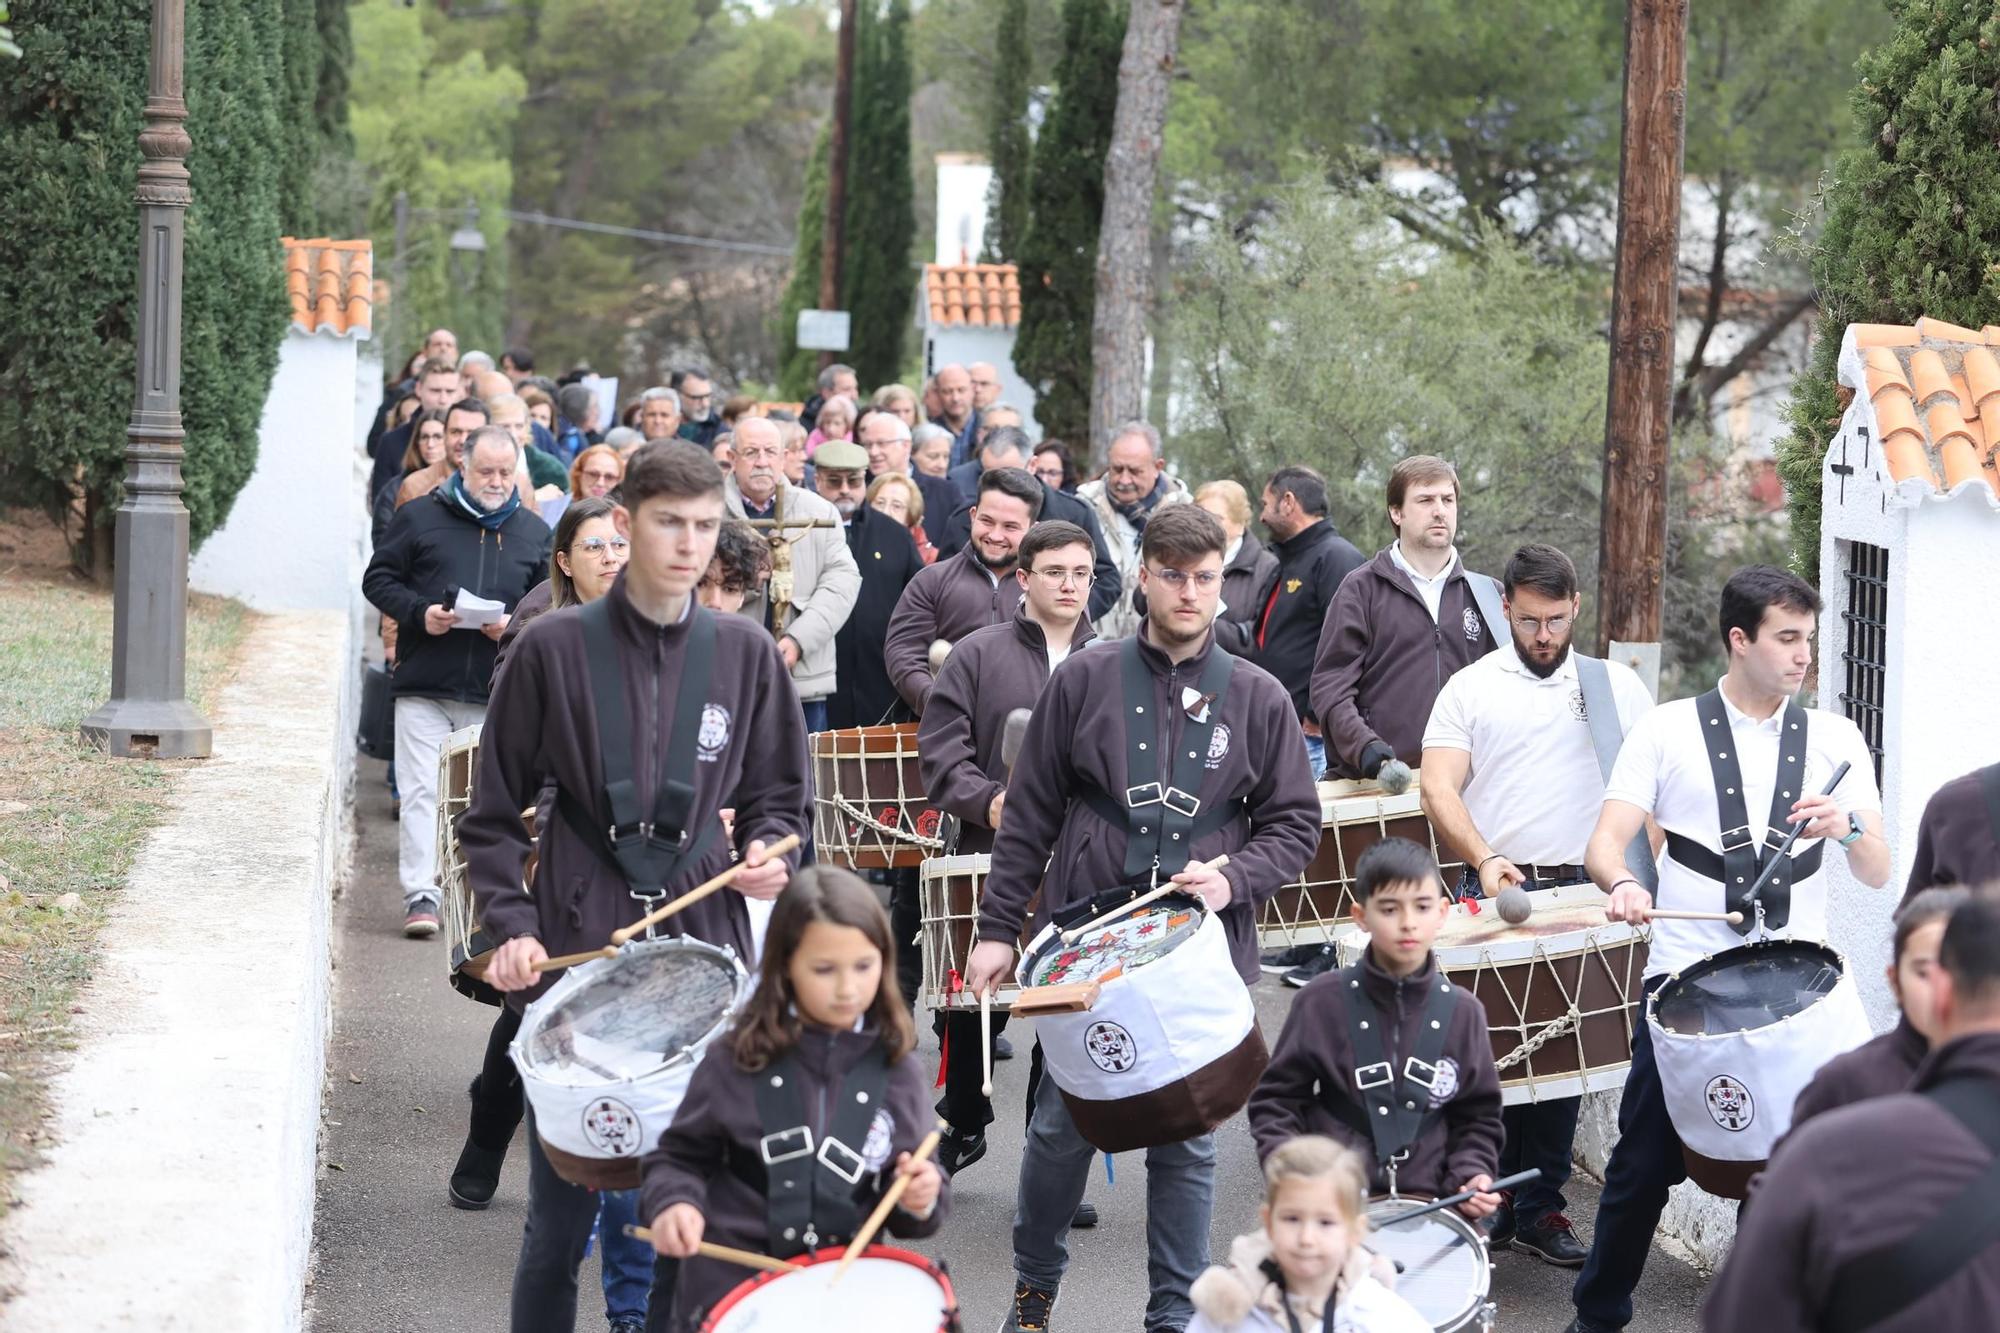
{"x":1535,"y":787}
{"x":1663,"y":769}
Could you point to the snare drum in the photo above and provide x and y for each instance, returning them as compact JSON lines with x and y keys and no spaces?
{"x":887,"y":1290}
{"x":1737,"y":1036}
{"x":868,"y":798}
{"x":1441,"y":1258}
{"x":1171,"y":1048}
{"x":605,"y":1056}
{"x":1562,"y":990}
{"x":950,"y":890}
{"x":1354,"y":816}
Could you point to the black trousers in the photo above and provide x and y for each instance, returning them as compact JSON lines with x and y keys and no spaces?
{"x":965,"y":1105}
{"x":560,"y":1216}
{"x":906,"y":920}
{"x":497,"y":1100}
{"x":1539,"y":1134}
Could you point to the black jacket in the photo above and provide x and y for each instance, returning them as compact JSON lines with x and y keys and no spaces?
{"x":940,"y":503}
{"x":1283,"y":627}
{"x":1106,"y":584}
{"x":889,"y":560}
{"x":432,"y":547}
{"x":388,"y":456}
{"x":964,"y":479}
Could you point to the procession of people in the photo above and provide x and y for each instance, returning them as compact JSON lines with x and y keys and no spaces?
{"x":1109,"y":708}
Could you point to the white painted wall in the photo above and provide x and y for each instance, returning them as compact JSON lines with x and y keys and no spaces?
{"x":965,"y":344}
{"x":296,"y":537}
{"x":963,"y":180}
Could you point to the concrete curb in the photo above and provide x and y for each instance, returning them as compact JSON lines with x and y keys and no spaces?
{"x":180,"y":1193}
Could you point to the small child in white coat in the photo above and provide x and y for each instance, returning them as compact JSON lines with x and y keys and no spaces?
{"x":1306,"y":1271}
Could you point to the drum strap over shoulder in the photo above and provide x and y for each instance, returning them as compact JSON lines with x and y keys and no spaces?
{"x":1162,"y":821}
{"x":648,"y":851}
{"x":1744,"y":853}
{"x":809,"y":1181}
{"x":1395,"y":1102}
{"x":1989,"y":784}
{"x":1872,"y":1286}
{"x":1607,"y":736}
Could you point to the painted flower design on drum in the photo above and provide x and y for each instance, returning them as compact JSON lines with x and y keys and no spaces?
{"x":1132,"y":942}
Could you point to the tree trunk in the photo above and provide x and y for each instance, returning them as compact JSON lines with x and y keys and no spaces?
{"x":1124,"y":253}
{"x":1644,"y":289}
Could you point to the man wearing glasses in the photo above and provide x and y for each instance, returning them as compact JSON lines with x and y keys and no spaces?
{"x":991,"y":673}
{"x":1515,"y":760}
{"x":699,"y":420}
{"x":1145,"y":759}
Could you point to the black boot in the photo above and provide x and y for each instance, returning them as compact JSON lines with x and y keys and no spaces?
{"x":476,"y":1177}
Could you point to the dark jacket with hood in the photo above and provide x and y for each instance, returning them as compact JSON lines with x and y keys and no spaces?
{"x":1382,"y":661}
{"x":542,"y":726}
{"x":1958,"y":838}
{"x":1314,"y":1064}
{"x":433,"y":546}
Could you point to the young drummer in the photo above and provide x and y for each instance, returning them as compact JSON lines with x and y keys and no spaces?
{"x":1387,"y":1056}
{"x":796,"y":1124}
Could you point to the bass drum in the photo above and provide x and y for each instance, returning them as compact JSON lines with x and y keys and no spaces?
{"x":1441,"y":1263}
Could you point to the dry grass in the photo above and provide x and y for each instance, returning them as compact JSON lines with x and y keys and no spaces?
{"x":71,"y":818}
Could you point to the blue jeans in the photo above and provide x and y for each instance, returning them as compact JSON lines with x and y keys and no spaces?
{"x":627,"y":1263}
{"x":815,"y":714}
{"x":1316,"y":755}
{"x":1539,"y":1134}
{"x":1646,"y":1164}
{"x":1180,"y":1196}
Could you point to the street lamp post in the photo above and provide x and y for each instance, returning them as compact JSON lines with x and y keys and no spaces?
{"x":148,"y":714}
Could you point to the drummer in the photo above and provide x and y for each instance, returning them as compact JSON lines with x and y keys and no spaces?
{"x":991,"y":673}
{"x":1240,"y":786}
{"x":1512,"y":780}
{"x":1778,"y":759}
{"x":543,"y":724}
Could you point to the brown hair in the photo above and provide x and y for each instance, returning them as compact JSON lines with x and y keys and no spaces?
{"x":1051,"y":534}
{"x":562,"y":588}
{"x":437,"y":365}
{"x":770,"y":1022}
{"x":413,"y":454}
{"x":1418,"y":469}
{"x":533,"y":396}
{"x":678,"y":469}
{"x":1181,"y":534}
{"x":576,"y":468}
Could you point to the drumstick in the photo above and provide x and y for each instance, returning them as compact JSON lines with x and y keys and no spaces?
{"x":700,"y":891}
{"x":1785,"y":848}
{"x":986,"y":1037}
{"x":1143,"y":900}
{"x":1504,"y":1183}
{"x":561,"y":961}
{"x":1733,"y":918}
{"x":728,"y":1254}
{"x":893,"y":1197}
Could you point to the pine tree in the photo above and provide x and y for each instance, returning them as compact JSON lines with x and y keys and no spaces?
{"x":798,"y":368}
{"x":1912,"y":217}
{"x":1058,"y":259}
{"x":1010,"y":145}
{"x":876,"y":278}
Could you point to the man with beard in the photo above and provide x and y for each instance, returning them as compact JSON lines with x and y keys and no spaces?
{"x":888,"y":558}
{"x":1515,"y":760}
{"x":1134,"y":487}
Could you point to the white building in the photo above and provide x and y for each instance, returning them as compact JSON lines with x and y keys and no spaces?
{"x":296,"y":538}
{"x":968,"y":313}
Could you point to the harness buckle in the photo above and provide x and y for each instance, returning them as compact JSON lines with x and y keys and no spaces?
{"x":1774,"y":837}
{"x":1420,"y":1072}
{"x":849,"y":1164}
{"x":786,"y":1145}
{"x":1145,"y":794}
{"x":1745,"y":840}
{"x":1377,"y":1075}
{"x":1185,"y":804}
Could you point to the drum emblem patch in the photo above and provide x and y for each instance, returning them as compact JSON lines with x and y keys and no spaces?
{"x":714,"y":733}
{"x":1730,"y":1104}
{"x":1110,"y":1047}
{"x":1471,"y":624}
{"x":881,"y":1135}
{"x":611,"y":1127}
{"x":1577,"y":708}
{"x":1445,"y":1083}
{"x":1218,"y":746}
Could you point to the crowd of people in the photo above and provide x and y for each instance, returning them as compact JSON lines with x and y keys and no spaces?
{"x":912,"y":555}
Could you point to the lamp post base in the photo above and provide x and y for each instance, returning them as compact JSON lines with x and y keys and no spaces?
{"x":150,"y":729}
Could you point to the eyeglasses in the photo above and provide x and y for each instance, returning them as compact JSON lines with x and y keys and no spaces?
{"x":696,"y":397}
{"x":1528,"y":624}
{"x":1058,"y":578}
{"x":594,"y":474}
{"x":596,"y":547}
{"x":1178,"y":578}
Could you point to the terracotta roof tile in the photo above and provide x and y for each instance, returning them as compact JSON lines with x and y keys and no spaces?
{"x":980,"y":295}
{"x":1884,"y":335}
{"x":1934,"y":389}
{"x":330,"y":285}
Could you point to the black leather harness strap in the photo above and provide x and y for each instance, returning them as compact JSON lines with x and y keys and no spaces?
{"x":647,"y":851}
{"x":809,"y":1180}
{"x":1872,"y":1286}
{"x":1989,"y":783}
{"x":1396,"y":1103}
{"x":1744,"y":855}
{"x":1162,"y":821}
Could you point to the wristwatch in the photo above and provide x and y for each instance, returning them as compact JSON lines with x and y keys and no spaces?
{"x":1854,"y":830}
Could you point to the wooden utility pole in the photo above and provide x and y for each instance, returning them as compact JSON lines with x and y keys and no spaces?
{"x":1639,"y":416}
{"x":1124,"y":238}
{"x":833,"y":236}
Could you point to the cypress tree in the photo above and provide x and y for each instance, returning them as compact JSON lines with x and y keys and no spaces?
{"x":876,"y":279}
{"x":298,"y":214}
{"x":1058,"y":259}
{"x":1912,"y":217}
{"x":1009,"y":144}
{"x":798,"y":368}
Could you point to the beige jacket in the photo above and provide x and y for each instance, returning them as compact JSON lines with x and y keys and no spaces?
{"x":1123,"y":539}
{"x":825,"y":580}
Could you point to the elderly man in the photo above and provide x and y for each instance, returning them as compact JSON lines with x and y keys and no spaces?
{"x":438,"y":387}
{"x":985,"y":379}
{"x":888,"y":559}
{"x":1135,"y":485}
{"x":700,"y":421}
{"x":836,"y":381}
{"x":991,"y":418}
{"x":436,"y":550}
{"x":956,"y":412}
{"x":544,"y":468}
{"x":659,"y":413}
{"x":464,"y":417}
{"x":886,"y":438}
{"x":1002,"y":445}
{"x":814,"y":578}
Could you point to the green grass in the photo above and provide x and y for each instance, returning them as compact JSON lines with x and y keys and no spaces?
{"x":71,"y":820}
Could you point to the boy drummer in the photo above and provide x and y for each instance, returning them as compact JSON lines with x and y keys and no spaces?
{"x":642,"y":709}
{"x":1387,"y":1056}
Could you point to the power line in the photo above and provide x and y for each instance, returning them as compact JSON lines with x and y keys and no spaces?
{"x":647,"y":234}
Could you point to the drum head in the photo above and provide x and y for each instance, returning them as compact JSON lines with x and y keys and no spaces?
{"x":632,"y":1015}
{"x":886,"y":1291}
{"x":1747,"y":988}
{"x":1443,"y":1261}
{"x":1132,"y":941}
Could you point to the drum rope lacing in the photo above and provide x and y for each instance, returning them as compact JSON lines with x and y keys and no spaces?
{"x":1564,"y":1024}
{"x":910,"y":836}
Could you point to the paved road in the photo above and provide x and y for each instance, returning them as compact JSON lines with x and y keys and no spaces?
{"x":393,"y":1257}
